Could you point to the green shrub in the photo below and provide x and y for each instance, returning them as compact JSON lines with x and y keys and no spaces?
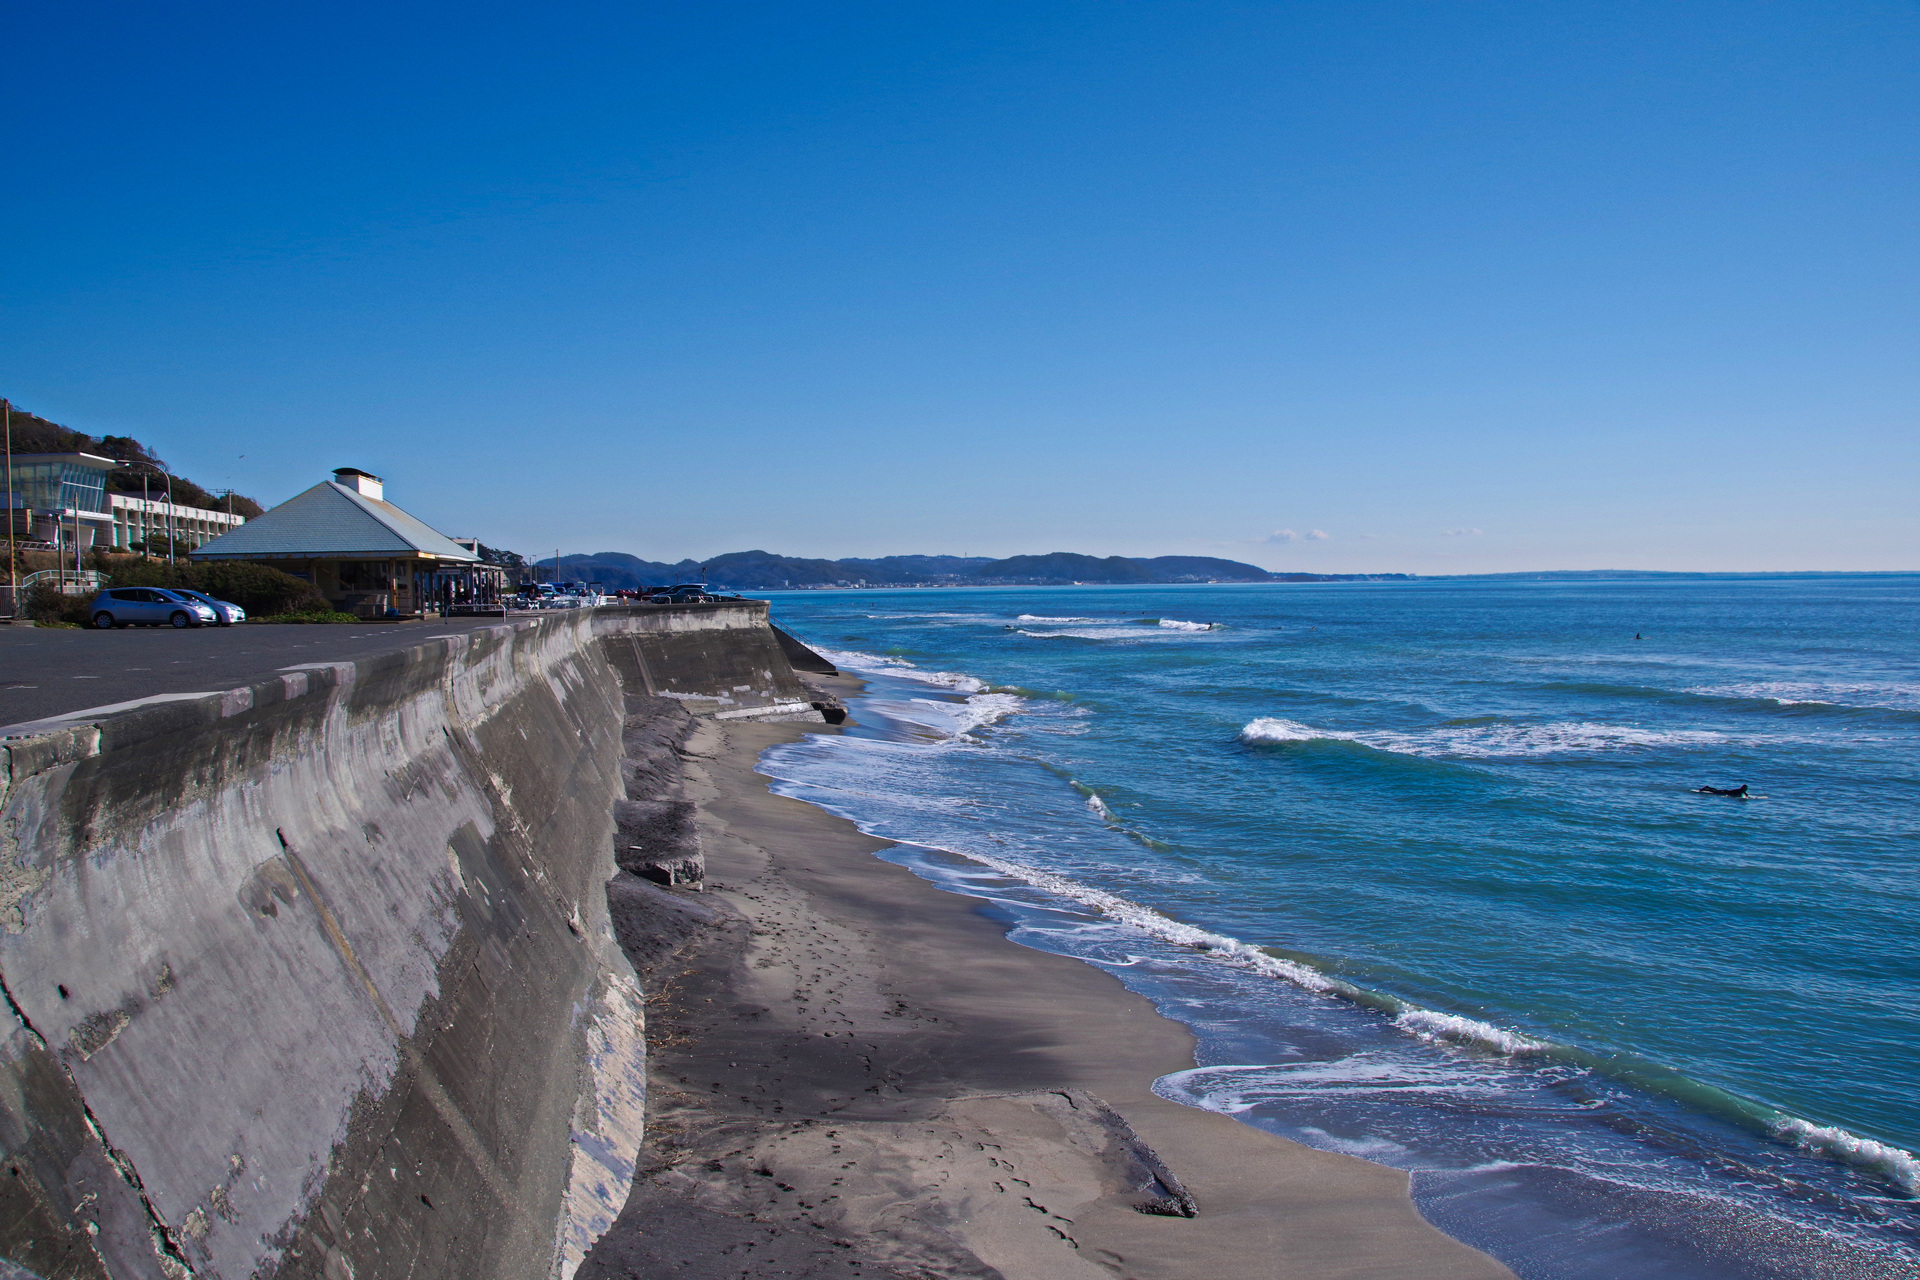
{"x":259,"y":589}
{"x":49,"y":606}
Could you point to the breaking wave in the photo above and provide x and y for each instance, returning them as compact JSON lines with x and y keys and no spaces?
{"x":944,"y":718}
{"x":1486,"y":741}
{"x":900,"y":669}
{"x":1134,"y":630}
{"x":1424,"y":1024}
{"x":1791,"y":693}
{"x":1428,"y":1025}
{"x":1234,"y":1088}
{"x":1496,"y":1049}
{"x":1094,"y":802}
{"x":1274,"y":729}
{"x":1897,"y":1166}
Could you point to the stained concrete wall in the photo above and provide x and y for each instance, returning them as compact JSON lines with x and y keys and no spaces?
{"x":722,"y":659}
{"x":316,"y":978}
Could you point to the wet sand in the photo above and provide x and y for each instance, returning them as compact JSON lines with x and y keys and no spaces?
{"x":856,"y":1074}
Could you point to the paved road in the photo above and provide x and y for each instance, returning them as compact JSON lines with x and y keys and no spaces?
{"x":50,"y":671}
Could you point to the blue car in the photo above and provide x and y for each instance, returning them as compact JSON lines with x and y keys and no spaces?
{"x":148,"y":607}
{"x":226,"y":611}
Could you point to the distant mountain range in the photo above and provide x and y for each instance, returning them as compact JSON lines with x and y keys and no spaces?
{"x":764,"y":571}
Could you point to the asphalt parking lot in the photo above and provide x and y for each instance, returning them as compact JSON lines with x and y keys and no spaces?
{"x":50,"y":671}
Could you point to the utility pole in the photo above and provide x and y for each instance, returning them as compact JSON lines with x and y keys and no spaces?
{"x":170,"y":535}
{"x":13,"y":570}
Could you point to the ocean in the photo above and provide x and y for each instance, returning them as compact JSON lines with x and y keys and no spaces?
{"x":1423,"y":867}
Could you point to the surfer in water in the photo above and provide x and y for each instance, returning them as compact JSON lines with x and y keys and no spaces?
{"x":1737,"y":793}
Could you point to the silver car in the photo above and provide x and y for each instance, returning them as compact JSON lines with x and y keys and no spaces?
{"x":148,"y":606}
{"x":226,"y":611}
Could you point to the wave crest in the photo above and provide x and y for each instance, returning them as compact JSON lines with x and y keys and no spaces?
{"x":1886,"y":696}
{"x":1486,"y":741}
{"x":900,"y":669}
{"x":1429,"y":1025}
{"x":1425,"y":1024}
{"x":1898,"y":1166}
{"x":1274,"y":729}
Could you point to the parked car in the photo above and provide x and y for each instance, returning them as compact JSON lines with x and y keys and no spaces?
{"x":226,"y":611}
{"x":682,"y":593}
{"x":149,"y":607}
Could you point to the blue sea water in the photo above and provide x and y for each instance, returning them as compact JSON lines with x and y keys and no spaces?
{"x":1422,"y":866}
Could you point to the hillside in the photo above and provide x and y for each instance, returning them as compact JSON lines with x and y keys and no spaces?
{"x":765,"y":571}
{"x":35,"y":434}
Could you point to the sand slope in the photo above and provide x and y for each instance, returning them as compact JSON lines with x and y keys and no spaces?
{"x":856,"y":1074}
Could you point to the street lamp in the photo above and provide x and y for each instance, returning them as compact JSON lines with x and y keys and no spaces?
{"x":13,"y":567}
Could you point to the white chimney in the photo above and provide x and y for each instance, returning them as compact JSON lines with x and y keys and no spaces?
{"x":364,"y":483}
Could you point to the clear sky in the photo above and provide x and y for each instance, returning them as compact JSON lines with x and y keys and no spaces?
{"x":1341,"y":285}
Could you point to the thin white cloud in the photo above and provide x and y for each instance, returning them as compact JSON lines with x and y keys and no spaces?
{"x":1461,"y":533}
{"x":1294,"y":535}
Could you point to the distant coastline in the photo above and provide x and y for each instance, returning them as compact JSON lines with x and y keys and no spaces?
{"x":766,"y":571}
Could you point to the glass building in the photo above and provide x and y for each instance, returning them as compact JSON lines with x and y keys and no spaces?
{"x":60,"y":483}
{"x":61,"y":498}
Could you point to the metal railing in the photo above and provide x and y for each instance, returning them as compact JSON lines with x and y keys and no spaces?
{"x":71,"y":582}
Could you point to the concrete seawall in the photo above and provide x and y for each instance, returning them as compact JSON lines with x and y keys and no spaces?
{"x":316,"y":977}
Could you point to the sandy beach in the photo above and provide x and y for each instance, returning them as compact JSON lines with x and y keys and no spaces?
{"x":856,"y":1074}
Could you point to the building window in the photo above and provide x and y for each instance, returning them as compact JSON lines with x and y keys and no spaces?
{"x":59,"y":486}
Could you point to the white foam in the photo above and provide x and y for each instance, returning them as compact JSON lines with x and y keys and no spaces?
{"x":984,"y":708}
{"x":1082,"y":633}
{"x":900,"y":669}
{"x":1040,"y":617}
{"x":1369,"y":1074}
{"x":1487,"y":741}
{"x":947,"y":719}
{"x":1490,"y":741}
{"x":1174,"y":624}
{"x":1430,"y":1025}
{"x":1421,"y":1023}
{"x":1898,"y":1166}
{"x":1099,"y":806}
{"x":1378,"y":1150}
{"x":1122,"y":631}
{"x":1797,"y":693}
{"x":1274,"y":729}
{"x":861,"y":661}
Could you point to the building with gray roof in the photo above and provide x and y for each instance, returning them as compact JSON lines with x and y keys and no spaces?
{"x":365,"y":555}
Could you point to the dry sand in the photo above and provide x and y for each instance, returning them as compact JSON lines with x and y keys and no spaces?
{"x":856,"y":1074}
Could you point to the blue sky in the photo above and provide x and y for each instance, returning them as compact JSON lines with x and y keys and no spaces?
{"x":1335,"y":286}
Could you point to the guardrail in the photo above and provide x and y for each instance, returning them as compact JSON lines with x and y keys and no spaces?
{"x":71,"y":582}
